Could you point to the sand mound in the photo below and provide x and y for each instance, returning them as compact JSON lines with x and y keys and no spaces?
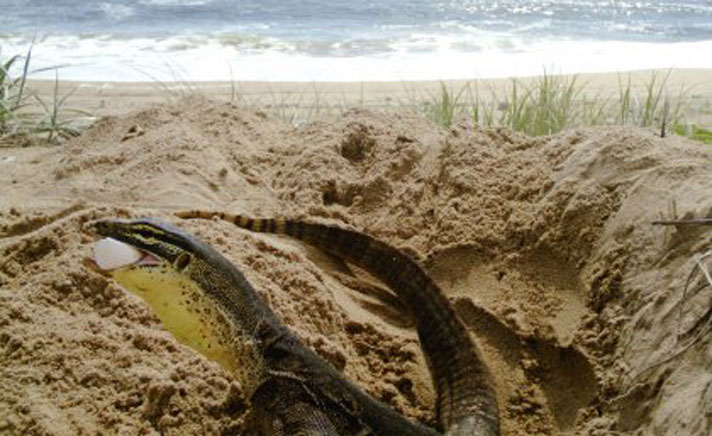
{"x":543,"y":245}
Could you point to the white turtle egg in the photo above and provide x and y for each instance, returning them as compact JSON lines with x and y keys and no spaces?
{"x":111,"y":254}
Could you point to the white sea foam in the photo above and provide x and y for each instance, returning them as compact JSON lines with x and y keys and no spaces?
{"x":421,"y":57}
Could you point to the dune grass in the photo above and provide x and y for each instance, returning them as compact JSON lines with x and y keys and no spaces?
{"x":53,"y":123}
{"x":551,"y":103}
{"x":694,"y":132}
{"x":445,"y":108}
{"x":18,"y":123}
{"x":546,"y":107}
{"x":543,"y":105}
{"x":13,"y":97}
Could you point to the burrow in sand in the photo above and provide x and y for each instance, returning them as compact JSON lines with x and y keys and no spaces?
{"x":543,"y":245}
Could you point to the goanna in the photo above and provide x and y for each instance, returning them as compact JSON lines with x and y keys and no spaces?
{"x":206,"y":303}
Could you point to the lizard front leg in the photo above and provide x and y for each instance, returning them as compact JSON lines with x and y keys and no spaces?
{"x":284,"y":406}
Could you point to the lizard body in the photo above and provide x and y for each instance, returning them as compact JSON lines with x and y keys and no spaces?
{"x":207,"y":303}
{"x":466,"y":404}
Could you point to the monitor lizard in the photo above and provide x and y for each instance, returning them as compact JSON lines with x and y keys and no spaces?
{"x":466,"y":404}
{"x":206,"y":302}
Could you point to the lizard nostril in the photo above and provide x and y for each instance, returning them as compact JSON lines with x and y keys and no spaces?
{"x":183,"y":261}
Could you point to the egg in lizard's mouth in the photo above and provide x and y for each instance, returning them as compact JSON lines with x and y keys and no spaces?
{"x":110,"y":254}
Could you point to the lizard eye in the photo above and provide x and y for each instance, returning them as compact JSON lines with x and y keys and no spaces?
{"x":182,"y":261}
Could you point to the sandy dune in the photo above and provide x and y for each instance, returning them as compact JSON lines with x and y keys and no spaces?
{"x":544,"y":246}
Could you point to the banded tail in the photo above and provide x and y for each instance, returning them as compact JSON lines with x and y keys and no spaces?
{"x":466,"y":404}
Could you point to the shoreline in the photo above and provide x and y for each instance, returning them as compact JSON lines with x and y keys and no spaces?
{"x":116,"y":98}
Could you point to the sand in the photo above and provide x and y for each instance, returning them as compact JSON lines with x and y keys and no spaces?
{"x":544,"y":246}
{"x":299,"y":102}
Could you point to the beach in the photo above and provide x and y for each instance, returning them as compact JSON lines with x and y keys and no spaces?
{"x":303,"y":101}
{"x":547,"y":164}
{"x":591,"y":320}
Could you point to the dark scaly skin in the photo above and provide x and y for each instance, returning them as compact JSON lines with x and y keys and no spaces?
{"x":283,"y":410}
{"x":292,"y":390}
{"x":466,"y":404}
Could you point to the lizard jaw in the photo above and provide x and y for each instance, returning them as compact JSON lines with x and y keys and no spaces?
{"x":110,"y":254}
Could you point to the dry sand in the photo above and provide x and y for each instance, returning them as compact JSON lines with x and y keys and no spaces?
{"x":544,"y":246}
{"x":299,"y":101}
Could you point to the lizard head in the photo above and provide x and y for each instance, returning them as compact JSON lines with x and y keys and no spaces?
{"x":186,"y":283}
{"x":142,"y":244}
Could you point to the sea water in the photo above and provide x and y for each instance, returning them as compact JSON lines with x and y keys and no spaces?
{"x":352,"y":40}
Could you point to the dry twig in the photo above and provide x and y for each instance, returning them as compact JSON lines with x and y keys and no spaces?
{"x":698,"y":222}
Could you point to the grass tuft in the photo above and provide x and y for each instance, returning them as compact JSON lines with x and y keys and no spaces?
{"x":51,"y":123}
{"x":19,"y":124}
{"x":694,"y":132}
{"x":12,"y":94}
{"x":654,"y":106}
{"x":551,"y":103}
{"x":545,"y":107}
{"x":444,"y":108}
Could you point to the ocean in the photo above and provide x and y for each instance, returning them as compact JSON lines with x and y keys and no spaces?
{"x":352,"y":40}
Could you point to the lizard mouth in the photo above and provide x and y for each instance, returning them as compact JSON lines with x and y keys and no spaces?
{"x":110,"y":254}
